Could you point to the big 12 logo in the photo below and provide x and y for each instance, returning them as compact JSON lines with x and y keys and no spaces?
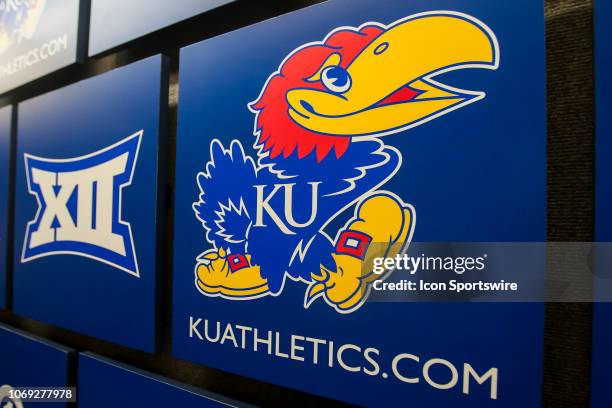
{"x":79,"y":206}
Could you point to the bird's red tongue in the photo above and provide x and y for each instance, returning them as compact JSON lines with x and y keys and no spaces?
{"x":404,"y":94}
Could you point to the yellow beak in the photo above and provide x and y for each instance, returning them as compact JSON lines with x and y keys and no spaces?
{"x":408,"y":54}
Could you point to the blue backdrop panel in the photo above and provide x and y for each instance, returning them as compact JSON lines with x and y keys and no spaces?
{"x":602,"y":318}
{"x":36,"y":37}
{"x":258,"y":149}
{"x":5,"y":154}
{"x":86,"y":204}
{"x":105,"y":383}
{"x":31,"y":362}
{"x":113,"y":22}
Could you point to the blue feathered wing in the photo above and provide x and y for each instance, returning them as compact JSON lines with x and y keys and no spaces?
{"x":227,"y":197}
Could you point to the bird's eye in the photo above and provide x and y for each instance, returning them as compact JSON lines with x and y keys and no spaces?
{"x":336,"y":79}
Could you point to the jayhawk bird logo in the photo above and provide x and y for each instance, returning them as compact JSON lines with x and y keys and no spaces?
{"x":18,"y":20}
{"x":318,"y":152}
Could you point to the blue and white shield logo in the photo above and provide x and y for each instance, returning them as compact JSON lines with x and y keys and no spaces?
{"x":79,"y":206}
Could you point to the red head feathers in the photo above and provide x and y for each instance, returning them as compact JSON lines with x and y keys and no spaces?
{"x":277,"y":133}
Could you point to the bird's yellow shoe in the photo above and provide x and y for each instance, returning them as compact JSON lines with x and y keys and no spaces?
{"x":382,"y":227}
{"x":229,"y":275}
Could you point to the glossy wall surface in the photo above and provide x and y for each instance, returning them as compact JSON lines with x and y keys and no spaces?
{"x":113,"y":23}
{"x":213,"y":209}
{"x":28,"y":361}
{"x":5,"y":161}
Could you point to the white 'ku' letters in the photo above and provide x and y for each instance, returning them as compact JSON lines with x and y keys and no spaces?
{"x":263,"y":205}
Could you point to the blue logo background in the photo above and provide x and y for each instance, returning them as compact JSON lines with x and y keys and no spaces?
{"x":132,"y":387}
{"x":477,"y":174}
{"x":71,"y":291}
{"x":37,"y":38}
{"x":27,"y":361}
{"x":5,"y":153}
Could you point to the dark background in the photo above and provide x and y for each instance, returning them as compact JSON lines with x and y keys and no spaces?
{"x":571,"y":152}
